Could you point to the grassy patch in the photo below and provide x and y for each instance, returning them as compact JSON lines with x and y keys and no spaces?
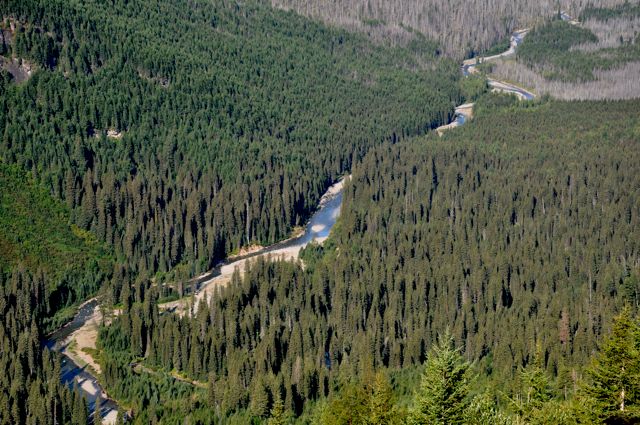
{"x":35,"y":230}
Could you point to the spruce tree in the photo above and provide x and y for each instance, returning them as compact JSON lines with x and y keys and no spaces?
{"x":381,"y":405}
{"x":278,"y":414}
{"x":535,"y":388}
{"x":614,"y":390}
{"x":484,"y":410}
{"x":259,"y":400}
{"x":443,"y":395}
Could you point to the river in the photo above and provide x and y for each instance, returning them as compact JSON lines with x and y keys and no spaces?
{"x":469,"y":66}
{"x":317,"y":229}
{"x":73,"y":375}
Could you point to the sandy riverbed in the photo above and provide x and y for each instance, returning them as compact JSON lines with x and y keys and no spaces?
{"x":75,"y":346}
{"x":82,"y":338}
{"x":288,"y":252}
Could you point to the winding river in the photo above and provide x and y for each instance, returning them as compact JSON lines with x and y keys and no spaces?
{"x":317,"y":229}
{"x":464,"y":112}
{"x":74,"y":375}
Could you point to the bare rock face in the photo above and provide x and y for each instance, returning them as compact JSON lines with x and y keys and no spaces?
{"x":114,"y":134}
{"x":20,"y":69}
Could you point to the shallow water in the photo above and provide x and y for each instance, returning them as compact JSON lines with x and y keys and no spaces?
{"x":72,"y":375}
{"x":318,"y":227}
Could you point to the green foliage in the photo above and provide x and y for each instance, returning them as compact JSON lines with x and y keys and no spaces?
{"x":473,"y":87}
{"x":179,"y":132}
{"x":278,"y":414}
{"x":498,"y":222}
{"x":500,"y":47}
{"x":382,"y":409}
{"x":47,"y":265}
{"x":484,"y":410}
{"x":369,"y":401}
{"x":260,"y":400}
{"x":547,"y":48}
{"x":614,"y":374}
{"x":175,"y":133}
{"x":443,"y":397}
{"x":348,"y":407}
{"x":535,"y":390}
{"x":36,"y":235}
{"x":30,"y":388}
{"x":625,"y":10}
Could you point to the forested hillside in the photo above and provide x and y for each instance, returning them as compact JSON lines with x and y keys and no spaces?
{"x":527,"y":217}
{"x":463,"y":28}
{"x":179,"y":132}
{"x":37,"y":235}
{"x":143,"y":141}
{"x":46,"y":266}
{"x":144,"y":137}
{"x":596,"y":59}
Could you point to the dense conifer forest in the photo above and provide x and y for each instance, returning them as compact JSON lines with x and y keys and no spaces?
{"x":144,"y":137}
{"x":500,"y":222}
{"x":46,"y":266}
{"x":180,"y":137}
{"x":144,"y":141}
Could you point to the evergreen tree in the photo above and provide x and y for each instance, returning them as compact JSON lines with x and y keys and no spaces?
{"x":535,"y":388}
{"x":278,"y":413}
{"x":350,"y":406}
{"x":259,"y":400}
{"x":443,"y":395}
{"x":484,"y":410}
{"x":381,"y":405}
{"x":614,"y":390}
{"x":97,"y":411}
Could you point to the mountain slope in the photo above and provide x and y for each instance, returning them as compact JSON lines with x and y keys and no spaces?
{"x":202,"y":127}
{"x":462,"y":28}
{"x":517,"y":232}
